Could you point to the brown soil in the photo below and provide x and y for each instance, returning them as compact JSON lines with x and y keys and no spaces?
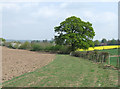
{"x":16,"y":62}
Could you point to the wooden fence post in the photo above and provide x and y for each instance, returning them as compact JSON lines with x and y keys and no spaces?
{"x":102,"y":58}
{"x":109,"y":59}
{"x":118,"y":61}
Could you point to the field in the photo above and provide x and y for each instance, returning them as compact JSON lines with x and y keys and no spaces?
{"x":100,"y":48}
{"x":17,"y":62}
{"x":30,"y":69}
{"x":113,"y":56}
{"x":63,"y":71}
{"x":111,"y":51}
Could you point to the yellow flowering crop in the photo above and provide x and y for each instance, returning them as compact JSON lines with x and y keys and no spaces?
{"x":100,"y":48}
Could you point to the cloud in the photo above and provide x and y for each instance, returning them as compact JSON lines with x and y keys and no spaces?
{"x":44,"y":12}
{"x":37,"y":15}
{"x":100,"y":17}
{"x":14,"y":6}
{"x":58,"y":1}
{"x":64,"y":5}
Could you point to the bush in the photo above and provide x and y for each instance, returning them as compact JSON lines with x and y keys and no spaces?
{"x":36,"y":47}
{"x":64,"y":50}
{"x":47,"y":47}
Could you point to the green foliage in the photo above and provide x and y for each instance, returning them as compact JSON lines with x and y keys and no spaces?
{"x":103,"y":40}
{"x":112,"y":42}
{"x":45,"y":40}
{"x":92,"y":55}
{"x":96,"y":43}
{"x":50,"y":48}
{"x":58,"y":49}
{"x":36,"y":47}
{"x":25,"y":45}
{"x":3,"y":40}
{"x":75,"y":33}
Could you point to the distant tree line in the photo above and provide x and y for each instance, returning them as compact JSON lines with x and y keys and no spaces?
{"x":106,"y":42}
{"x":44,"y":41}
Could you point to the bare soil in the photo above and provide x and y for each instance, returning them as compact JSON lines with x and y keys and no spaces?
{"x":16,"y":62}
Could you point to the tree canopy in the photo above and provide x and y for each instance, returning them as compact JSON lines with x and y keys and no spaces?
{"x":104,"y":40}
{"x":75,"y":33}
{"x":3,"y":40}
{"x":96,"y":42}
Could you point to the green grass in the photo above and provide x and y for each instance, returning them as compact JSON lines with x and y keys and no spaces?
{"x":67,"y":71}
{"x":113,"y":61}
{"x":111,"y":51}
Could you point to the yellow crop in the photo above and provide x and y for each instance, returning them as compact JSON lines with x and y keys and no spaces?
{"x":100,"y":48}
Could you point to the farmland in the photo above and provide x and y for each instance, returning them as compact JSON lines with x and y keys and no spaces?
{"x":100,"y":48}
{"x":63,"y":71}
{"x":67,"y":71}
{"x":61,"y":44}
{"x":17,"y":62}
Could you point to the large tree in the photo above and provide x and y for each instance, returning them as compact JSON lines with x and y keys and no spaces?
{"x":75,"y":33}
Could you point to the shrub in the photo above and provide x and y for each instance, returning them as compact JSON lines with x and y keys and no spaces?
{"x":36,"y":47}
{"x":25,"y":45}
{"x":64,"y":50}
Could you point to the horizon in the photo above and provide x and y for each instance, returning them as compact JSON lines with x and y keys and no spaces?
{"x":47,"y":40}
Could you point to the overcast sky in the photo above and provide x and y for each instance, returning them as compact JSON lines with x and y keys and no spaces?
{"x":36,"y":21}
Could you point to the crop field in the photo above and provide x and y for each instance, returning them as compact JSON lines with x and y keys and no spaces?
{"x":100,"y":48}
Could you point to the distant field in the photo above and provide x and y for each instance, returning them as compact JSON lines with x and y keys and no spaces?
{"x":100,"y":48}
{"x":111,"y":51}
{"x":113,"y":60}
{"x":67,"y":71}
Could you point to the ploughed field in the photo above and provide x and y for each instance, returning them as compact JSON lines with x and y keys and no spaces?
{"x":17,"y":62}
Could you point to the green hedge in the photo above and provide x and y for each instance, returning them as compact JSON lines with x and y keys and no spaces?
{"x":44,"y":47}
{"x":92,"y":55}
{"x":50,"y":48}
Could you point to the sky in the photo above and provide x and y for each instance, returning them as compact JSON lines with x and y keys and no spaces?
{"x":36,"y":21}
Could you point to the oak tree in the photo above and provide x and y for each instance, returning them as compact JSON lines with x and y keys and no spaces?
{"x":74,"y":33}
